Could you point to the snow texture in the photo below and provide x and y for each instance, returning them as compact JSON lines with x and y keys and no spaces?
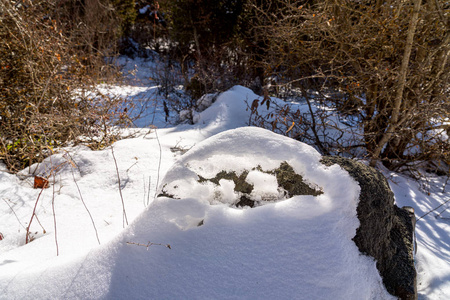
{"x":296,"y":248}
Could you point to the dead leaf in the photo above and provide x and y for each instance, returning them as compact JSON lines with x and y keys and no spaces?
{"x":40,"y":182}
{"x":255,"y":105}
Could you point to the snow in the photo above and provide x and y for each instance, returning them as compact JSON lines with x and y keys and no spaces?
{"x":239,"y":150}
{"x":144,"y":9}
{"x":287,"y":248}
{"x":432,"y":231}
{"x":265,"y":186}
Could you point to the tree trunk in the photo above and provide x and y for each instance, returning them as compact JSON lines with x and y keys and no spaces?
{"x":394,"y":121}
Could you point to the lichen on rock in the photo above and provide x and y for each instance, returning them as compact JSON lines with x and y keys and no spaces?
{"x":294,"y":183}
{"x":278,"y":184}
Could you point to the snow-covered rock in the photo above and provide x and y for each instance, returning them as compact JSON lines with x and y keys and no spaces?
{"x":386,"y":232}
{"x":251,"y":167}
{"x":325,"y":219}
{"x":270,"y":251}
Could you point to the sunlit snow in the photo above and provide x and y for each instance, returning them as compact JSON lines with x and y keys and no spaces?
{"x":199,"y":245}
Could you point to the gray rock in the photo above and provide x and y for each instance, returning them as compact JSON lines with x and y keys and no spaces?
{"x":386,"y":231}
{"x":290,"y":182}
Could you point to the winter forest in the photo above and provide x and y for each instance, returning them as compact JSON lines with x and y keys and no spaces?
{"x":108,"y":106}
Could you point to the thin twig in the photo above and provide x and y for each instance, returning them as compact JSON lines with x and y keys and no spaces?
{"x":54,"y":216}
{"x":154,"y":112}
{"x":39,"y":222}
{"x":149,"y":186}
{"x":124,"y":219}
{"x":82,"y":200}
{"x":135,"y":163}
{"x":159,"y":163}
{"x":145,"y":190}
{"x":433,"y":209}
{"x":32,"y":216}
{"x":14,"y":213}
{"x":149,"y":244}
{"x":439,"y":214}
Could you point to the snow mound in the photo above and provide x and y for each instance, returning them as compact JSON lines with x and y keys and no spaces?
{"x":245,"y":247}
{"x":298,"y":248}
{"x":249,"y":155}
{"x":293,"y":247}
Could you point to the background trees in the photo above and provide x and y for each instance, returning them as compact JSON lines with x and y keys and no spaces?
{"x":204,"y":31}
{"x":382,"y":62}
{"x":203,"y":24}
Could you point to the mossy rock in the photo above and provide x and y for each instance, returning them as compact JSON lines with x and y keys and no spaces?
{"x":291,"y":183}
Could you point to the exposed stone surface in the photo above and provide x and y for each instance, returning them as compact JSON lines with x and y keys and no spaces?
{"x":241,"y":185}
{"x":385,"y":231}
{"x":291,"y":183}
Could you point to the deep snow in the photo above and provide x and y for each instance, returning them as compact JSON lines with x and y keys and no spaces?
{"x":296,"y":248}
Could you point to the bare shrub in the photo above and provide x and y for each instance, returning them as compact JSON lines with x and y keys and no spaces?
{"x":380,"y":62}
{"x":47,"y":77}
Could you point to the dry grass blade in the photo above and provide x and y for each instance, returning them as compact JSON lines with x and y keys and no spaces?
{"x":124,"y":213}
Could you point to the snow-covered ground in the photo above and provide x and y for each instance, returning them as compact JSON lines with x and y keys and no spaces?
{"x":296,"y":248}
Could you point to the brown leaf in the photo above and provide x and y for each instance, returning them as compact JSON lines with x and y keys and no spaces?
{"x":40,"y":182}
{"x":255,"y":105}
